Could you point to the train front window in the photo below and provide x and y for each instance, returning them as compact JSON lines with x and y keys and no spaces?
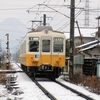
{"x":58,"y":44}
{"x":45,"y":45}
{"x":33,"y":44}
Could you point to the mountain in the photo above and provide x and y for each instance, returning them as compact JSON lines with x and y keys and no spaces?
{"x":16,"y":30}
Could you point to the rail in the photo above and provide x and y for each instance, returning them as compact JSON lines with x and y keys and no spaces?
{"x":75,"y":91}
{"x":45,"y":91}
{"x":9,"y":71}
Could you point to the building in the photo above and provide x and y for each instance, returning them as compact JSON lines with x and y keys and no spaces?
{"x":91,"y":52}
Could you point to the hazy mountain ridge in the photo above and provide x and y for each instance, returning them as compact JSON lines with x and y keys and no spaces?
{"x":15,"y":28}
{"x":11,"y":24}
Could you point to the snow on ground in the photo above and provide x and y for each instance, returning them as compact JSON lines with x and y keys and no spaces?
{"x":29,"y":91}
{"x":79,"y":88}
{"x":60,"y":92}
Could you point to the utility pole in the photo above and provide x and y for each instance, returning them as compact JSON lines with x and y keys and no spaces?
{"x":7,"y":55}
{"x":71,"y":64}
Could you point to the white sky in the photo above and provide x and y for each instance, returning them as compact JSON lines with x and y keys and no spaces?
{"x":17,"y":9}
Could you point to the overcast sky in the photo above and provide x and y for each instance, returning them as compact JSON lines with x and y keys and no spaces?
{"x":17,"y":9}
{"x":58,"y":20}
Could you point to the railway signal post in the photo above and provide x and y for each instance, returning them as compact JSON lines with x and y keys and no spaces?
{"x":7,"y":54}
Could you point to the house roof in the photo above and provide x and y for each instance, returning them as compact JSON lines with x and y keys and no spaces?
{"x":88,"y":45}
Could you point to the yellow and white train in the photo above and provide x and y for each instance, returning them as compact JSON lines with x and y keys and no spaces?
{"x":43,"y":52}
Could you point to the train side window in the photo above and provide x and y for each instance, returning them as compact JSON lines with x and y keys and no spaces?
{"x":33,"y":46}
{"x":45,"y":45}
{"x":58,"y":44}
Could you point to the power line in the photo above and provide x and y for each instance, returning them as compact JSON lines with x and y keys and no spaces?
{"x":15,"y":9}
{"x":42,"y":8}
{"x":10,"y":30}
{"x":55,"y":10}
{"x":59,"y":10}
{"x":67,"y":23}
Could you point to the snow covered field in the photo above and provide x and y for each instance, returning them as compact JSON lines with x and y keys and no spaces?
{"x":29,"y":91}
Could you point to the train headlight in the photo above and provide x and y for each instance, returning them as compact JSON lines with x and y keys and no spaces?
{"x":46,"y":31}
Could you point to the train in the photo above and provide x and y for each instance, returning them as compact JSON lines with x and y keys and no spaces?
{"x":42,"y":52}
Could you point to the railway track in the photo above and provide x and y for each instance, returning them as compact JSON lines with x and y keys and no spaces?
{"x":65,"y":92}
{"x":75,"y":91}
{"x":48,"y":94}
{"x":45,"y":91}
{"x":44,"y":84}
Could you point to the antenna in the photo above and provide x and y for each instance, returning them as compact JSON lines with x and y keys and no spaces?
{"x":44,"y":20}
{"x":36,"y":22}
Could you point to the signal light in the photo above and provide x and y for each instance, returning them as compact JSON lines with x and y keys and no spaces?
{"x":7,"y":45}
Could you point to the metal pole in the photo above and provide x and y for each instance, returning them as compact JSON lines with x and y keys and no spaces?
{"x":71,"y":64}
{"x":44,"y":20}
{"x":79,"y":32}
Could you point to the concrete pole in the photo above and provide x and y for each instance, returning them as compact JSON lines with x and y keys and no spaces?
{"x":72,"y":20}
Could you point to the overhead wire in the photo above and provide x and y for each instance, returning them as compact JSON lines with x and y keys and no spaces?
{"x":10,"y":30}
{"x":48,"y":1}
{"x":43,"y":7}
{"x":56,"y":14}
{"x":18,"y":8}
{"x":68,"y":22}
{"x":59,"y":16}
{"x":38,"y":14}
{"x":14,"y":9}
{"x":55,"y":5}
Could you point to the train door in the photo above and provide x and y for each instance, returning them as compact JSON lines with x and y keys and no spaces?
{"x":46,"y":51}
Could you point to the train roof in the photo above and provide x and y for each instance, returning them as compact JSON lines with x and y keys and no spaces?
{"x":40,"y":28}
{"x":43,"y":28}
{"x":88,"y":45}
